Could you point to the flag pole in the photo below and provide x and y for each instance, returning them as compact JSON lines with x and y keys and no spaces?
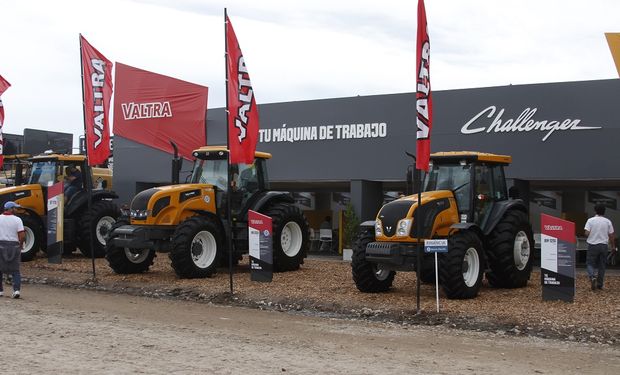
{"x":230,"y":180}
{"x":86,"y":180}
{"x":418,"y":222}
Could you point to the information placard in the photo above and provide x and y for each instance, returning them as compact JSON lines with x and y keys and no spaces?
{"x":55,"y":220}
{"x":260,"y":242}
{"x":557,"y":259}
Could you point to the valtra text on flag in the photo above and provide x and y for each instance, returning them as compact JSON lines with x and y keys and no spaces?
{"x":97,"y":88}
{"x":424,"y":102}
{"x":242,"y":111}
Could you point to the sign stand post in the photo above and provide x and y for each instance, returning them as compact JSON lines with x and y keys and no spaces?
{"x":557,"y":260}
{"x":436,"y":246}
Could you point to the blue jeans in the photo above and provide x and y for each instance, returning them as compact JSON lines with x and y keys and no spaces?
{"x":17,"y":280}
{"x":597,"y":258}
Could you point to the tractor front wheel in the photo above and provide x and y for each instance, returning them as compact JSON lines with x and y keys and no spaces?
{"x":124,"y":260}
{"x":34,"y":237}
{"x":196,"y":248}
{"x":460,"y":272}
{"x":369,"y":277}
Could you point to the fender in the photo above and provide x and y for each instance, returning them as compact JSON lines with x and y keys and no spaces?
{"x":498,"y":211}
{"x":34,"y":215}
{"x":368,"y":223}
{"x":79,"y":201}
{"x":265,"y":198}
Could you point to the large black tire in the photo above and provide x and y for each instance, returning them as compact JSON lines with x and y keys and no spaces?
{"x":510,"y":250}
{"x":34,"y":237}
{"x":291,"y":236}
{"x":196,"y":248}
{"x":97,"y":223}
{"x":461,"y":268}
{"x":368,"y":276}
{"x":123,"y":260}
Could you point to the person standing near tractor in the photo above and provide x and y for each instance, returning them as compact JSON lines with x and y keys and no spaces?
{"x":600,"y":232}
{"x":12,"y":237}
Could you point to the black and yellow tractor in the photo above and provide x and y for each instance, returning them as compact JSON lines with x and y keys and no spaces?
{"x":80,"y":224}
{"x":465,"y":201}
{"x":15,"y":169}
{"x":190,"y":221}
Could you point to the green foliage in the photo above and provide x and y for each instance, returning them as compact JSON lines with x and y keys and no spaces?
{"x":350,"y":226}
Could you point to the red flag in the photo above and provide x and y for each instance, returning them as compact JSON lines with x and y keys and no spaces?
{"x":4,"y":84}
{"x":424,"y":102}
{"x":242,"y":111}
{"x":97,"y":88}
{"x":154,"y":109}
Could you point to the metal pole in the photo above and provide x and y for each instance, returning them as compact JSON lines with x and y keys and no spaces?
{"x":230,"y":180}
{"x":418,"y":223}
{"x":87,"y":180}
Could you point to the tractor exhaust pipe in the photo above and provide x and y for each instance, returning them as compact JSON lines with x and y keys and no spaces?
{"x":177,"y":163}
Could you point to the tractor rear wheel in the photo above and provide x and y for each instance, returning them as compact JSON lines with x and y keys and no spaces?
{"x":369,"y":277}
{"x":196,"y":248}
{"x":96,"y":224}
{"x":34,"y":237}
{"x":124,"y":260}
{"x":291,"y":236}
{"x":460,"y":272}
{"x":511,"y":246}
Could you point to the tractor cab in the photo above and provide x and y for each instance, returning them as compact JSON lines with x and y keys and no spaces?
{"x":211,"y":167}
{"x":476,"y":179}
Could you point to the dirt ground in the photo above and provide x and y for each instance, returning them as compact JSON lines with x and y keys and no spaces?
{"x":54,"y":330}
{"x":323,"y":287}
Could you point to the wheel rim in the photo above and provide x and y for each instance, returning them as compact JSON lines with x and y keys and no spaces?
{"x":29,"y":240}
{"x":521,"y":250}
{"x":136,"y":256}
{"x":204,"y":249}
{"x":291,"y":239}
{"x":471,"y":267}
{"x":380,"y":273}
{"x":104,"y":226}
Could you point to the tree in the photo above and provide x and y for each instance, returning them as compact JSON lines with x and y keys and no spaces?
{"x":350,"y":226}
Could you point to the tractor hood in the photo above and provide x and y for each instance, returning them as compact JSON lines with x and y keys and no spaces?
{"x":167,"y":205}
{"x":19,"y":194}
{"x":397,"y":218}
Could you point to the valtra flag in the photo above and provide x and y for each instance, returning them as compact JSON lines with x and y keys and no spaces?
{"x":97,"y":87}
{"x":242,"y":111}
{"x":153,"y":109}
{"x":4,"y":85}
{"x":424,"y":102}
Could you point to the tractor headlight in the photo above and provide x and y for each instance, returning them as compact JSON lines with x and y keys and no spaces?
{"x":378,"y":228}
{"x":404,"y":226}
{"x":140,"y":214}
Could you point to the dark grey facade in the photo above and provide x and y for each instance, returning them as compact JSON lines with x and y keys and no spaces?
{"x":562,"y":137}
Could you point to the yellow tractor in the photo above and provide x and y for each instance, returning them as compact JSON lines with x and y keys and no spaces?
{"x":80,"y":224}
{"x":465,"y":201}
{"x":190,"y":221}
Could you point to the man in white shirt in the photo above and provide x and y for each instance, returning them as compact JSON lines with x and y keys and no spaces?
{"x":12,"y":236}
{"x":600,"y":233}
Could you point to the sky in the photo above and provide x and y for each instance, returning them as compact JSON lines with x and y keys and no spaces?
{"x":296,"y":50}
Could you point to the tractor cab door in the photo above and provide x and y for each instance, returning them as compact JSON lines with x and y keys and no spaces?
{"x":248,"y":181}
{"x":490,"y":186}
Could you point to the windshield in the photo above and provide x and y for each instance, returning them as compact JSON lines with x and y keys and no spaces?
{"x":43,"y":173}
{"x":451,"y":177}
{"x":213,"y":172}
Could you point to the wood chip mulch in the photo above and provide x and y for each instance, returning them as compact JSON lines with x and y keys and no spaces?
{"x":323,"y":286}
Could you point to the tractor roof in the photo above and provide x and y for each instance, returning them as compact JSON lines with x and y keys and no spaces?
{"x":470,"y":156}
{"x":62,"y":157}
{"x":205,"y":149}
